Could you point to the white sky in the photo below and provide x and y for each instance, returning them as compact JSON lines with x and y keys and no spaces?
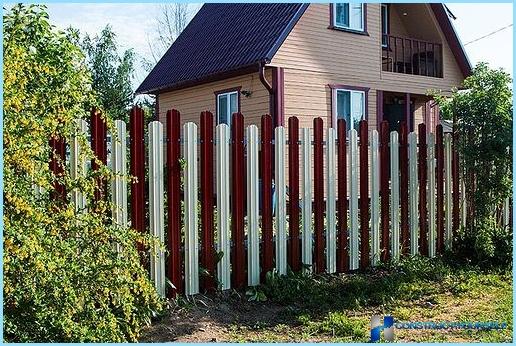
{"x":134,"y":22}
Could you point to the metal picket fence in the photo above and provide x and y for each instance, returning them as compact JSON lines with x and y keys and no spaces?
{"x":254,"y":200}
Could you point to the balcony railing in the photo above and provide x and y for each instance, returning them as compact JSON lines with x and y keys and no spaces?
{"x":411,"y":56}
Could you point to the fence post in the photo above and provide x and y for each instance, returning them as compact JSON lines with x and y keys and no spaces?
{"x":77,"y":164}
{"x":318,"y":195}
{"x":266,"y":169}
{"x":395,"y":197}
{"x":119,"y":168}
{"x":413,"y":193}
{"x":223,"y":214}
{"x":98,"y":145}
{"x":331,"y":236}
{"x":364,"y":195}
{"x":342,"y":231}
{"x":137,"y":170}
{"x":57,"y":162}
{"x":423,"y":241}
{"x":455,"y":177}
{"x":190,"y":193}
{"x":253,"y":242}
{"x":174,"y":200}
{"x":207,"y":253}
{"x":384,"y":189}
{"x":237,"y":205}
{"x":448,"y":189}
{"x":293,"y":182}
{"x":375,"y":200}
{"x":404,"y":191}
{"x":156,"y":207}
{"x":281,"y":208}
{"x":431,"y":195}
{"x":307,"y":198}
{"x":440,"y":188}
{"x":353,"y":200}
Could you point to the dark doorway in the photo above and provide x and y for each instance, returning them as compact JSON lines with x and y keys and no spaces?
{"x":394,"y":113}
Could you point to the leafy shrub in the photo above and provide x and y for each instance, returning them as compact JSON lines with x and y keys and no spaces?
{"x":64,"y":279}
{"x":482,"y":111}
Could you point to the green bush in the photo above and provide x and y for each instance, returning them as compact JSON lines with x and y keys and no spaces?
{"x":482,"y":114}
{"x":64,"y":279}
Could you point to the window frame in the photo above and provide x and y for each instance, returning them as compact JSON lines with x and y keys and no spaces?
{"x":335,"y":26}
{"x":340,"y":87}
{"x":387,"y":24}
{"x":226,"y":92}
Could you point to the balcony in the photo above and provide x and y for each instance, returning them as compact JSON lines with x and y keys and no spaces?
{"x":412,"y":56}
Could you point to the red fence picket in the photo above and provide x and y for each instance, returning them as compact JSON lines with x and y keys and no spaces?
{"x":207,"y":196}
{"x":56,"y":164}
{"x":318,"y":195}
{"x":455,"y":182}
{"x":404,"y":192}
{"x":422,"y":175}
{"x":440,"y":187}
{"x":342,"y":205}
{"x":174,"y":200}
{"x":266,"y":175}
{"x":294,"y":258}
{"x":137,"y":170}
{"x":237,"y":201}
{"x":384,"y":189}
{"x":98,"y":145}
{"x":364,"y":195}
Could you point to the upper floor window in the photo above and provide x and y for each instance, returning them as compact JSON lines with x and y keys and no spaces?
{"x":227,"y":104}
{"x":349,"y":16}
{"x":385,"y":25}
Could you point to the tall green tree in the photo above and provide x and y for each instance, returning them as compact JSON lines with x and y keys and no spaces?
{"x":482,"y":111}
{"x":64,"y":280}
{"x":111,"y":71}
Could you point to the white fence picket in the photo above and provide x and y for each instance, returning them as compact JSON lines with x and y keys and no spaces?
{"x":506,"y":212}
{"x":430,"y":192}
{"x":331,"y":232}
{"x":78,"y":164}
{"x":191,"y":227}
{"x":281,"y":203}
{"x":413,"y":194}
{"x":306,"y":212}
{"x":395,"y":196}
{"x":448,"y":189}
{"x":375,"y":199}
{"x":156,"y":204}
{"x":119,"y":168}
{"x":223,"y":215}
{"x":353,"y":200}
{"x":253,"y":242}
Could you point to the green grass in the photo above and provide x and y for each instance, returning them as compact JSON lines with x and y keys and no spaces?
{"x":338,"y":308}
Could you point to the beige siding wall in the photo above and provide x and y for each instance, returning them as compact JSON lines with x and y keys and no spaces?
{"x":314,"y":56}
{"x":190,"y":102}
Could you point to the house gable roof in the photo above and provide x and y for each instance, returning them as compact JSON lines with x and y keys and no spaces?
{"x":220,"y":39}
{"x":226,"y":39}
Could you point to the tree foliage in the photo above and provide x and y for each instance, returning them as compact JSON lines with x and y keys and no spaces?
{"x":482,"y":111}
{"x":112,"y":73}
{"x":64,"y":279}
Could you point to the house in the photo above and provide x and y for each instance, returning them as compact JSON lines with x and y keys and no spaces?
{"x":344,"y":60}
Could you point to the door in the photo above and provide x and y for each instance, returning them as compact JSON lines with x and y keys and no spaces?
{"x":395,"y":114}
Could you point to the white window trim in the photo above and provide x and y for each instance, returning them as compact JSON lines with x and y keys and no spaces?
{"x":335,"y":24}
{"x":386,"y":23}
{"x":334,"y":104}
{"x":228,"y":95}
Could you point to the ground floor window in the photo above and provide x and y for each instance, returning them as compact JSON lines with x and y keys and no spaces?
{"x":350,"y":105}
{"x":227,"y":104}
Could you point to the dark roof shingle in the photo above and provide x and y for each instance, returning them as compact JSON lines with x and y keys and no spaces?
{"x":223,"y":38}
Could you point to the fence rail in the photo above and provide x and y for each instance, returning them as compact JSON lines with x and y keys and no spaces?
{"x":348,"y":199}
